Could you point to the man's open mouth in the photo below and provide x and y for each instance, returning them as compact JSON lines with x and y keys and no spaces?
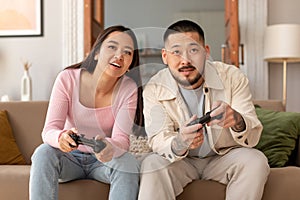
{"x":186,"y":68}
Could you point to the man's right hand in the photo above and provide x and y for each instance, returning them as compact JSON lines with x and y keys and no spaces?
{"x":189,"y":137}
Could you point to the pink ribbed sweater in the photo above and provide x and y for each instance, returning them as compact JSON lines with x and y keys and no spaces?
{"x":113,"y":122}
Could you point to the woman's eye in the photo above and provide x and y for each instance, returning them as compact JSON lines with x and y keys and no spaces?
{"x":128,"y":52}
{"x":112,"y":47}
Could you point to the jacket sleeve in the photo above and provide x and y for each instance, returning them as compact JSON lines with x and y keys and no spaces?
{"x":159,"y":126}
{"x":241,"y":101}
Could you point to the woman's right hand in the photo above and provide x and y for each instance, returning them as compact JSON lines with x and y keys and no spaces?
{"x":65,"y":140}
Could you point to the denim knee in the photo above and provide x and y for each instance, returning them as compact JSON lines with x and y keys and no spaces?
{"x":125,"y":163}
{"x":44,"y":153}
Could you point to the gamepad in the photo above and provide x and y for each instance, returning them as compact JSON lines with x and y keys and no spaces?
{"x":205,"y":119}
{"x":97,"y":145}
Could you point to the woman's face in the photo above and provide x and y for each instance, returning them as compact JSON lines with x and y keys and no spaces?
{"x":116,"y":54}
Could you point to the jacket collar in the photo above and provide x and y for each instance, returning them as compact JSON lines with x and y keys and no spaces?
{"x":170,"y":88}
{"x":212,"y":76}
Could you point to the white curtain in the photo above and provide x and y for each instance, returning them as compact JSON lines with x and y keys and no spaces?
{"x":253,"y":21}
{"x":73,"y":44}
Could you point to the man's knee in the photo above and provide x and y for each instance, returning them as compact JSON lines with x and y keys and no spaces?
{"x":154,"y":162}
{"x":254,"y":160}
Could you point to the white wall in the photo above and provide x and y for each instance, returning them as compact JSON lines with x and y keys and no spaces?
{"x":285,"y":12}
{"x":45,"y":54}
{"x":158,"y":14}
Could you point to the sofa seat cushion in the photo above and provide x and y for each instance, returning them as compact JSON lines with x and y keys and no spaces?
{"x":9,"y":150}
{"x":83,"y":189}
{"x":283,"y":183}
{"x":203,"y":189}
{"x":14,"y":182}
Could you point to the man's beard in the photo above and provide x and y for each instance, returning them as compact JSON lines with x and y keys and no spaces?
{"x":187,"y":82}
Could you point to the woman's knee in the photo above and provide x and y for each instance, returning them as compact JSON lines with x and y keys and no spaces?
{"x":126,"y":163}
{"x":44,"y":152}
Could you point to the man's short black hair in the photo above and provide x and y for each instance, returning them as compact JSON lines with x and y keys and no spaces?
{"x":183,"y":26}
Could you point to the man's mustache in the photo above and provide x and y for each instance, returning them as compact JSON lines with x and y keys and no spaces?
{"x":186,"y":67}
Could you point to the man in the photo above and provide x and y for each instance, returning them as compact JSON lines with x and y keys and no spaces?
{"x":220,"y":150}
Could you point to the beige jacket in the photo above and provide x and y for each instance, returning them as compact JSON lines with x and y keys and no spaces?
{"x":165,"y":110}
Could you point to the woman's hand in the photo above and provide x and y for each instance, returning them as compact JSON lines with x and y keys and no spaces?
{"x":65,"y":140}
{"x":107,"y":153}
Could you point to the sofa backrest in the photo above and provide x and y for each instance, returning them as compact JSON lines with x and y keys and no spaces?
{"x":275,"y":105}
{"x":27,"y":121}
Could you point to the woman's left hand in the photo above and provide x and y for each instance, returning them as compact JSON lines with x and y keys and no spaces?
{"x":107,"y":153}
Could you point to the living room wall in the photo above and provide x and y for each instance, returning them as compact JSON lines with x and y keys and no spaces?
{"x":45,"y":53}
{"x":285,"y":12}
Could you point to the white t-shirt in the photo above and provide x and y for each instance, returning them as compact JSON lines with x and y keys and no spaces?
{"x":194,"y":100}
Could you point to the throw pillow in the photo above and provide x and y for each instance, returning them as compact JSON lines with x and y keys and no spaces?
{"x":279,"y":135}
{"x":139,"y":146}
{"x":9,"y":151}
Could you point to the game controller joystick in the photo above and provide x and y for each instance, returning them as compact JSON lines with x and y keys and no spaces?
{"x":97,"y":145}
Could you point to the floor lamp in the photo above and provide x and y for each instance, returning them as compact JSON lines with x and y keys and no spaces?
{"x":282,"y":44}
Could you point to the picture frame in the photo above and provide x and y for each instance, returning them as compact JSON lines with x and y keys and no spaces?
{"x":21,"y":18}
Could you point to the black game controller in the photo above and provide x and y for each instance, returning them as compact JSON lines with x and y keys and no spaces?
{"x":97,"y":145}
{"x":205,"y":119}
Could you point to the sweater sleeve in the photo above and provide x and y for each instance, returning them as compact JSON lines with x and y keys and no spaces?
{"x":124,"y":117}
{"x":58,"y":109}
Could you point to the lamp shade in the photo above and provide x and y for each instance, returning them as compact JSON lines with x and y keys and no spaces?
{"x":282,"y":42}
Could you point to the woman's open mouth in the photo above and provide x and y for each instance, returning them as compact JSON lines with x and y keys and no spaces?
{"x":115,"y":65}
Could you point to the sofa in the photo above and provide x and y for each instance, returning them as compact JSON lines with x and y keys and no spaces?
{"x":27,"y":119}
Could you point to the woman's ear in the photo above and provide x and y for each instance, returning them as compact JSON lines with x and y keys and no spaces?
{"x":164,"y":56}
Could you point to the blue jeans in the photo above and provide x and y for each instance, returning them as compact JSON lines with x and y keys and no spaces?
{"x":51,"y":166}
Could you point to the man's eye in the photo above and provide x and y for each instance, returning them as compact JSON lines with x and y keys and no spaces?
{"x":176,"y":52}
{"x":194,"y":50}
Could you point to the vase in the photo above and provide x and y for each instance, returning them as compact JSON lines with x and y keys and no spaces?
{"x":26,"y":88}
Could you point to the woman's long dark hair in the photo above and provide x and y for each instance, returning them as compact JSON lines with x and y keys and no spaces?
{"x":89,"y":63}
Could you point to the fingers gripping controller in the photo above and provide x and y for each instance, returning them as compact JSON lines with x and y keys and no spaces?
{"x":205,"y":119}
{"x":97,"y":145}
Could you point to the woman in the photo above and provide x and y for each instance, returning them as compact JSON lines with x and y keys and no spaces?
{"x":97,"y":99}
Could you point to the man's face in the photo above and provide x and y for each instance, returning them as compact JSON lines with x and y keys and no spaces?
{"x":185,"y":54}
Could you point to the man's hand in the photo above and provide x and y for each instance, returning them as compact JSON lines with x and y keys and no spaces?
{"x":230,"y":119}
{"x":107,"y":153}
{"x":189,"y":137}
